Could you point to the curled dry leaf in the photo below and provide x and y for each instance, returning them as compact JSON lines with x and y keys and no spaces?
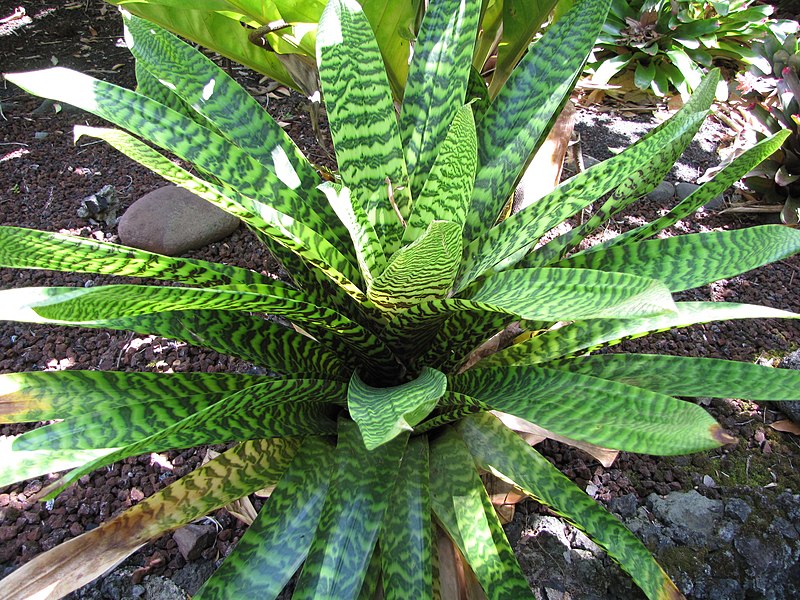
{"x":786,"y":426}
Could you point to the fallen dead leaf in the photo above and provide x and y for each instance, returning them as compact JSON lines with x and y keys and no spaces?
{"x":786,"y":426}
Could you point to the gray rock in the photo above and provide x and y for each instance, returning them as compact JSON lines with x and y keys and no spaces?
{"x":687,"y":512}
{"x":161,"y":588}
{"x":192,"y":539}
{"x":736,"y":507}
{"x":624,"y":506}
{"x":790,"y":409}
{"x":171,"y":221}
{"x":100,"y":207}
{"x":664,"y":192}
{"x":191,"y":577}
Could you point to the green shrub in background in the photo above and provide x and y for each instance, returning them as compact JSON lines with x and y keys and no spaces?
{"x":670,"y":45}
{"x":278,"y":38}
{"x":773,"y":88}
{"x":374,"y":430}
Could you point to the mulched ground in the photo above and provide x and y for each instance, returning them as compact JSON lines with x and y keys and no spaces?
{"x":44,"y":176}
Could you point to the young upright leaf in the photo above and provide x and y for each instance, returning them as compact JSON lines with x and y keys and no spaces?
{"x":448,"y":188}
{"x":405,"y":539}
{"x":423,"y":270}
{"x":351,"y":517}
{"x":362,"y":119}
{"x":514,"y":126}
{"x":437,"y":84}
{"x":462,"y":507}
{"x":384,"y":413}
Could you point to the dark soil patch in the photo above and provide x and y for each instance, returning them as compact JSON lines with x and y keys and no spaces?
{"x":44,"y":176}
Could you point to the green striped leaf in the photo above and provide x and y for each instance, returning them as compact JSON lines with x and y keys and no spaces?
{"x":643,"y":179}
{"x":246,"y":336}
{"x":522,"y":20}
{"x":180,"y":313}
{"x":282,"y":408}
{"x":262,"y":562}
{"x":229,"y":108}
{"x":372,"y":577}
{"x":587,"y":336}
{"x":598,"y":411}
{"x":448,"y":188}
{"x":351,"y":517}
{"x":711,"y":189}
{"x":507,"y":242}
{"x":423,"y":270}
{"x":238,"y":472}
{"x":124,"y":424}
{"x":18,"y":465}
{"x":277,"y":225}
{"x":384,"y":413}
{"x":436,"y":87}
{"x":497,"y":449}
{"x":689,"y":376}
{"x":75,"y":305}
{"x":149,"y":86}
{"x":22,"y":248}
{"x":212,"y":93}
{"x":44,"y":396}
{"x":688,"y":261}
{"x":362,"y":119}
{"x":405,"y":539}
{"x":543,"y":295}
{"x":464,"y":511}
{"x":173,"y":132}
{"x":368,"y":249}
{"x":515,"y":124}
{"x":461,"y":333}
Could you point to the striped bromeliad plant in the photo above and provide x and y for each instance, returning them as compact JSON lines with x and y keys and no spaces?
{"x":379,"y":417}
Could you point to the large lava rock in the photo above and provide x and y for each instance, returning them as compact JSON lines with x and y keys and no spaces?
{"x":172,"y":220}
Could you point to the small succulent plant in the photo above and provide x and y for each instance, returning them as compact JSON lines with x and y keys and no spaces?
{"x":669,"y":45}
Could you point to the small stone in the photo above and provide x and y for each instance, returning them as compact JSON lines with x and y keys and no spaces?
{"x":736,"y":507}
{"x":664,"y":192}
{"x":192,"y":539}
{"x":625,"y":506}
{"x":708,"y":481}
{"x":172,"y":220}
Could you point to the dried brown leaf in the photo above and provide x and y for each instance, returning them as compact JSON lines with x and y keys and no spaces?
{"x":786,"y":426}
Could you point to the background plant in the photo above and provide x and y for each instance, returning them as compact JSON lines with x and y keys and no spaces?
{"x":670,"y":45}
{"x":374,"y":430}
{"x":278,"y":38}
{"x":769,"y":93}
